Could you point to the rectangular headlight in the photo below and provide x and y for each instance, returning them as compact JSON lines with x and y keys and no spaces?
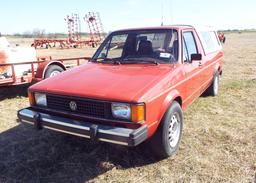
{"x":121,"y":110}
{"x":40,"y":99}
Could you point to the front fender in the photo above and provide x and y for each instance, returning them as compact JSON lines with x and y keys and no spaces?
{"x":172,"y":95}
{"x":168,"y":99}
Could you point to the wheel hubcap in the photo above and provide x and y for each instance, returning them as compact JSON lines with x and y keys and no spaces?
{"x":174,"y":130}
{"x":54,"y":73}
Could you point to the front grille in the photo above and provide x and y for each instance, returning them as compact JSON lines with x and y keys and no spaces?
{"x":86,"y":107}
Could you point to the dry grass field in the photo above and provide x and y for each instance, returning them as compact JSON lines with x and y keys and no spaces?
{"x":218,"y":143}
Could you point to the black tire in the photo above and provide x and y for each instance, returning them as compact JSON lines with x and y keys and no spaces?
{"x":213,"y":89}
{"x":161,"y":142}
{"x":53,"y":70}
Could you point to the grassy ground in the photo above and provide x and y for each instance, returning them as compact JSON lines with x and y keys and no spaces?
{"x":218,"y":143}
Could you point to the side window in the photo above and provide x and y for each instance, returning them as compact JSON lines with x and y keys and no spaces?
{"x":189,"y":45}
{"x":210,"y":41}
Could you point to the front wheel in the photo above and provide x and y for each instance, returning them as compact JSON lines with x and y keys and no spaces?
{"x":166,"y":140}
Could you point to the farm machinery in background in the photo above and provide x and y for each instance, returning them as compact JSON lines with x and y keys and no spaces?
{"x":74,"y":39}
{"x":222,"y":37}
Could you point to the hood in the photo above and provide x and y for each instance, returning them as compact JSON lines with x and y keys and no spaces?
{"x":105,"y":81}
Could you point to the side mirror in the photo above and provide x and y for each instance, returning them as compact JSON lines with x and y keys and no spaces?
{"x":196,"y":57}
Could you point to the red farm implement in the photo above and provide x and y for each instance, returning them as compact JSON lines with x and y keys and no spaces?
{"x":37,"y":70}
{"x":74,"y":33}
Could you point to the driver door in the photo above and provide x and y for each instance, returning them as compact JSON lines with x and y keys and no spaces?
{"x":192,"y":68}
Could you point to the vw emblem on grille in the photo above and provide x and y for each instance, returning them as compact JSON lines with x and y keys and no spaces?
{"x":73,"y":105}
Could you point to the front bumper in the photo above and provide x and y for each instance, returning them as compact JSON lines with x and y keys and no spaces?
{"x":116,"y":135}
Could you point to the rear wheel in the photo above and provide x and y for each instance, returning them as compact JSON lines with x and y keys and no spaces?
{"x":214,"y":87}
{"x":166,"y":140}
{"x":53,"y":70}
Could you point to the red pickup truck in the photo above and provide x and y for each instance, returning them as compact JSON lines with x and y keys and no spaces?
{"x":133,"y":89}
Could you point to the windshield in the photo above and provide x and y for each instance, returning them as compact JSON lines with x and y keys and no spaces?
{"x":136,"y":46}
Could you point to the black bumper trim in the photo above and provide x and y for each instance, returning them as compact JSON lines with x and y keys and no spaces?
{"x":117,"y":135}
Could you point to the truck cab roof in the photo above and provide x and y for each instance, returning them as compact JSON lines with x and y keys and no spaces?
{"x":177,"y":27}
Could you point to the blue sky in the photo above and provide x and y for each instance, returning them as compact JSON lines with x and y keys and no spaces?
{"x":26,"y":15}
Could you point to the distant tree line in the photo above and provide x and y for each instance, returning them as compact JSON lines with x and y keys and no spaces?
{"x":41,"y":33}
{"x":237,"y":30}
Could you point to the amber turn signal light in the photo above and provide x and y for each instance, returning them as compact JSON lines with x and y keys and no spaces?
{"x":31,"y":98}
{"x":138,"y":113}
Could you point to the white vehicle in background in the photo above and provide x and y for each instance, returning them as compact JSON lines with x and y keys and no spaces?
{"x":17,"y":54}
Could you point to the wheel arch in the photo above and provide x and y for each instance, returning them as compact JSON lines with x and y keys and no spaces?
{"x":42,"y":67}
{"x":174,"y":95}
{"x":218,"y":68}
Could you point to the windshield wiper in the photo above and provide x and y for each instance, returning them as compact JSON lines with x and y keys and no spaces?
{"x":106,"y":60}
{"x":133,"y":60}
{"x":140,"y":60}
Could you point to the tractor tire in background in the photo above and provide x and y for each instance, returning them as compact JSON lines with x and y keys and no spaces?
{"x":53,"y":70}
